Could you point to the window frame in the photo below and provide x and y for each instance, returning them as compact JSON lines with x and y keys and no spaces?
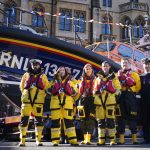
{"x":79,"y":21}
{"x":107,"y":3}
{"x":134,"y":1}
{"x":36,"y":19}
{"x":11,"y":18}
{"x":64,"y":23}
{"x":106,"y":28}
{"x":138,"y":31}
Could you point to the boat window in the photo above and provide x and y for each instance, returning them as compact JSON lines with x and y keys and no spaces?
{"x":91,"y":47}
{"x":125,"y":51}
{"x":138,"y":55}
{"x":102,"y":47}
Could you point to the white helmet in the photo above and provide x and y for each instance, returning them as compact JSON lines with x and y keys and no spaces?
{"x":32,"y":61}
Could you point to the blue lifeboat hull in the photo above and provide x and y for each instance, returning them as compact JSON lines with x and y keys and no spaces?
{"x":18,"y":47}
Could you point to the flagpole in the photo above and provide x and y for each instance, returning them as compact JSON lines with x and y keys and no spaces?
{"x":108,"y":25}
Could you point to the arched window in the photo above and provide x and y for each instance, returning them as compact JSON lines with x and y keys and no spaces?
{"x":138,"y":27}
{"x":38,"y":16}
{"x":65,"y":21}
{"x":79,"y":21}
{"x":106,"y":24}
{"x":10,"y":12}
{"x":125,"y":29}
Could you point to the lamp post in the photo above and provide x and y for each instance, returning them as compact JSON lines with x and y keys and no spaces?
{"x":130,"y":34}
{"x":74,"y":34}
{"x":146,"y":18}
{"x":91,"y":24}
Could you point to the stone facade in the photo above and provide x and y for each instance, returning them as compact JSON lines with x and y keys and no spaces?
{"x":121,"y":11}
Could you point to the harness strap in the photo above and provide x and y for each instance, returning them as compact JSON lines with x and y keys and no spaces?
{"x":64,"y":97}
{"x":63,"y":102}
{"x":104,"y":103}
{"x":32,"y":102}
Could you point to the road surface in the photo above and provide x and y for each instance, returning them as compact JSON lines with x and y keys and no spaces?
{"x":5,"y":145}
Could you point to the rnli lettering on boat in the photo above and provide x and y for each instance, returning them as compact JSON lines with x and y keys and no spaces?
{"x":21,"y":63}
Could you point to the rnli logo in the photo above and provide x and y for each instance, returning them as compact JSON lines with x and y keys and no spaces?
{"x":21,"y":63}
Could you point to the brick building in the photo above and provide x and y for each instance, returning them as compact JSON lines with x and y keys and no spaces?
{"x":87,"y":21}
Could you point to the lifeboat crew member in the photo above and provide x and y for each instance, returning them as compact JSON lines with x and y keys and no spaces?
{"x":62,"y":91}
{"x":145,"y":92}
{"x":131,"y":85}
{"x":106,"y":88}
{"x":86,"y":103}
{"x":33,"y":85}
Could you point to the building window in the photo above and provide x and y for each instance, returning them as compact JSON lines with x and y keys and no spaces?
{"x":135,"y":30}
{"x":65,"y":21}
{"x":106,"y":24}
{"x":10,"y":13}
{"x":125,"y":30}
{"x":138,"y":27}
{"x":107,"y":3}
{"x":79,"y":21}
{"x":138,"y":31}
{"x":135,"y":1}
{"x":38,"y":16}
{"x":106,"y":29}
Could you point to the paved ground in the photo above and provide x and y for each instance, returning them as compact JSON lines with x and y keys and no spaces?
{"x":5,"y":145}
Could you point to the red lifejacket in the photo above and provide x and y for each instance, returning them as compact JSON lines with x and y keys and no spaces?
{"x":101,"y":86}
{"x":121,"y":75}
{"x":55,"y":89}
{"x":39,"y":83}
{"x":36,"y":81}
{"x":68,"y":90}
{"x":86,"y":86}
{"x":64,"y":87}
{"x":109,"y":87}
{"x":106,"y":85}
{"x":126,"y":79}
{"x":130,"y":81}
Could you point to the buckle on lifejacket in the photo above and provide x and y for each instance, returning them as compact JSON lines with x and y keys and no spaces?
{"x":81,"y":112}
{"x":61,"y":90}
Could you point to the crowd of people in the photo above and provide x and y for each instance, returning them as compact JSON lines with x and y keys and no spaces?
{"x":106,"y":101}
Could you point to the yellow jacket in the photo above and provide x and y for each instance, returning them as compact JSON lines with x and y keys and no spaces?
{"x":62,"y":99}
{"x":111,"y":99}
{"x":25,"y":92}
{"x":137,"y":87}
